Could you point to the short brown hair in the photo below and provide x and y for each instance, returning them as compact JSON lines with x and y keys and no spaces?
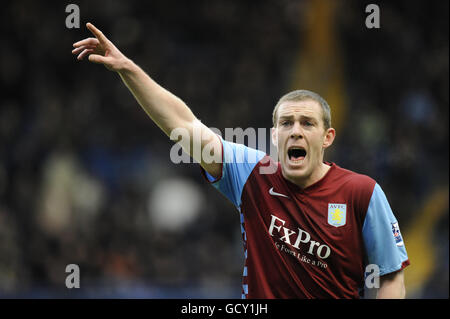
{"x":301,"y":95}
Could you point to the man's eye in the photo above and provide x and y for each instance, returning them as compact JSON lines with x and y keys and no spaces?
{"x":308,"y":123}
{"x":285,"y":123}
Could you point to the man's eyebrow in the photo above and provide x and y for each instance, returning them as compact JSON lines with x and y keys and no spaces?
{"x":303,"y":117}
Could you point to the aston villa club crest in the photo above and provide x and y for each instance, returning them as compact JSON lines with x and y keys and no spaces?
{"x":337,"y":214}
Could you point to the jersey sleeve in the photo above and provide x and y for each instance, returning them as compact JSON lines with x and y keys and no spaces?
{"x":382,"y":238}
{"x":238,"y":161}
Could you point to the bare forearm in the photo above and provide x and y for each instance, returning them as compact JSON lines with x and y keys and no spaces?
{"x":164,"y":108}
{"x":169,"y":113}
{"x":393,"y":292}
{"x":392,"y":286}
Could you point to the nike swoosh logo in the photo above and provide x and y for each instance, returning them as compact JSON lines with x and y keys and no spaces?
{"x":271,"y":192}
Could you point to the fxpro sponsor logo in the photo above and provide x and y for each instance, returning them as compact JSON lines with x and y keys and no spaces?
{"x":300,"y":240}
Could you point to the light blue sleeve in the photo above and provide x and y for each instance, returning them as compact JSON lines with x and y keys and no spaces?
{"x":382,"y":238}
{"x":238,"y":162}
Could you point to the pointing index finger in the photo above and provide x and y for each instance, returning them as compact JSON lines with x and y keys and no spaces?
{"x":98,"y":34}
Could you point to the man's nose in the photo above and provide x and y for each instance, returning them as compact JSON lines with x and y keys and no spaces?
{"x":296,"y":131}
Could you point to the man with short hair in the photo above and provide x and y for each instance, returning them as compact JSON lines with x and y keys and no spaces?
{"x":309,"y":227}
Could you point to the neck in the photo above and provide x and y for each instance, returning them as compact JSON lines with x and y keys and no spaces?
{"x":316,"y":175}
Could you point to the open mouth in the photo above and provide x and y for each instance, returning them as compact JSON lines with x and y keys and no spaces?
{"x":296,"y":153}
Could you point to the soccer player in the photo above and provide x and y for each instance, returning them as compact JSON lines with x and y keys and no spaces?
{"x":309,"y":227}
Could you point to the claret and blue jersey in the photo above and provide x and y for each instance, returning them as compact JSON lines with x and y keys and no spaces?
{"x":308,"y":243}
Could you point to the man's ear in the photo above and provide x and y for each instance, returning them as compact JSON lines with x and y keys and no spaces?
{"x":274,"y":136}
{"x":329,"y":137}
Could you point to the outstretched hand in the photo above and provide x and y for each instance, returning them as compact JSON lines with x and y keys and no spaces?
{"x":100,"y":50}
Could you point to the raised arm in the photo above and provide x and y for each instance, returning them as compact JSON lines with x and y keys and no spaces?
{"x":165,"y":109}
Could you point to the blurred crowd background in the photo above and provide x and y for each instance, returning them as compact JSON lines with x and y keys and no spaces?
{"x":86,"y":177}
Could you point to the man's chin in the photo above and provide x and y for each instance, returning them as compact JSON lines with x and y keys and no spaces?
{"x":295,"y":171}
{"x":296,"y":166}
